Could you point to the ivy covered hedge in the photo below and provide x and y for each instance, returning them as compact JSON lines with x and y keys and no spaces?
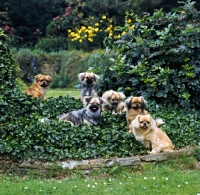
{"x":157,"y":56}
{"x":24,"y":137}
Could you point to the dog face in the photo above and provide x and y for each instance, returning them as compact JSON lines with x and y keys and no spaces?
{"x":136,"y":103}
{"x":113,"y":98}
{"x":43,"y":80}
{"x":143,"y":124}
{"x":93,"y":103}
{"x":88,"y":77}
{"x":113,"y":102}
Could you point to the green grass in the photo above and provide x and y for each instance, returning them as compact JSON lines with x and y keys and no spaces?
{"x":178,"y":177}
{"x":63,"y":92}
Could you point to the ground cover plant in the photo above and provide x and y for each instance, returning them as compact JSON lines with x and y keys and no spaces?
{"x":178,"y":176}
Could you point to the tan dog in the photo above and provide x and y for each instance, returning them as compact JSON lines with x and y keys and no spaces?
{"x":113,"y":101}
{"x":88,"y":82}
{"x":145,"y":129}
{"x":40,"y":86}
{"x":134,"y":107}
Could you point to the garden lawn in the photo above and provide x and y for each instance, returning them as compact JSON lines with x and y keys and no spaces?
{"x":170,"y":177}
{"x":63,"y":92}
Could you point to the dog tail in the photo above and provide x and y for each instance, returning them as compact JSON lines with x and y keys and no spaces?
{"x":159,"y":122}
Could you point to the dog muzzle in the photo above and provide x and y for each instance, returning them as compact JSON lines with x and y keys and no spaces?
{"x":94,"y":107}
{"x":114,"y":103}
{"x":89,"y":81}
{"x":144,"y":126}
{"x":44,"y":84}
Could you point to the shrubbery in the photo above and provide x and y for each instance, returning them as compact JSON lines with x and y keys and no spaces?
{"x":158,"y":57}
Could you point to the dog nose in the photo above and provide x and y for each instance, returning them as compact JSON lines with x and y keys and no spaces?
{"x":145,"y":125}
{"x":89,"y":81}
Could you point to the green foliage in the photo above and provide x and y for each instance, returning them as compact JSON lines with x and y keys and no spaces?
{"x":24,"y":136}
{"x":8,"y":67}
{"x":157,"y":57}
{"x":60,"y":81}
{"x":52,"y":44}
{"x":31,"y":63}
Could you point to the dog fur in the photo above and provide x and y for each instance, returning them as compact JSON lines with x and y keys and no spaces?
{"x":88,"y":81}
{"x":89,"y":115}
{"x":39,"y":87}
{"x":145,"y":129}
{"x":113,"y":101}
{"x":134,"y":107}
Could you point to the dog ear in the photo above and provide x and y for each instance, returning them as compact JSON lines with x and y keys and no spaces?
{"x":101,"y":100}
{"x":49,"y":78}
{"x":81,"y":76}
{"x":144,"y":103}
{"x":96,"y":77}
{"x":87,"y":99}
{"x":36,"y":77}
{"x":121,"y":95}
{"x":128,"y":102}
{"x":135,"y":123}
{"x":153,"y":123}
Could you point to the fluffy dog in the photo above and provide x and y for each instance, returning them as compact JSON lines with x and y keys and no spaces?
{"x":40,"y":86}
{"x":134,"y":107}
{"x":145,"y":129}
{"x":90,"y":114}
{"x":88,"y":85}
{"x":113,"y":101}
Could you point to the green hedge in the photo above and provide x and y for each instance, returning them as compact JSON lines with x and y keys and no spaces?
{"x":23,"y":136}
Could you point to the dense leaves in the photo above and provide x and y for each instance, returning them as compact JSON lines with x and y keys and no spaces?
{"x":158,"y":57}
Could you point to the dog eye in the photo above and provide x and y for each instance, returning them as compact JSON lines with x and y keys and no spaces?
{"x":141,"y":121}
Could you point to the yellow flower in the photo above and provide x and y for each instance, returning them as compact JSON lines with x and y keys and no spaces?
{"x":96,"y":24}
{"x":101,"y":21}
{"x":92,"y":17}
{"x":123,"y":32}
{"x":90,"y":39}
{"x":129,"y":21}
{"x":96,"y":29}
{"x":69,"y":30}
{"x":110,"y":34}
{"x":103,"y":17}
{"x":80,"y":40}
{"x":83,"y":27}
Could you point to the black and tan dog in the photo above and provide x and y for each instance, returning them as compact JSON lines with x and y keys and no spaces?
{"x":40,"y":86}
{"x":89,"y":115}
{"x":134,"y":107}
{"x":88,"y":81}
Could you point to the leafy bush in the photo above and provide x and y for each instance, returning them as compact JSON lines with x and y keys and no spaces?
{"x":158,"y":57}
{"x":60,"y":81}
{"x":52,"y":44}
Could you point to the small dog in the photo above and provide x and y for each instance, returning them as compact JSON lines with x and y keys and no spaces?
{"x":134,"y":107}
{"x":88,"y":85}
{"x":113,"y":101}
{"x":90,"y":114}
{"x":145,"y":129}
{"x":40,"y":86}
